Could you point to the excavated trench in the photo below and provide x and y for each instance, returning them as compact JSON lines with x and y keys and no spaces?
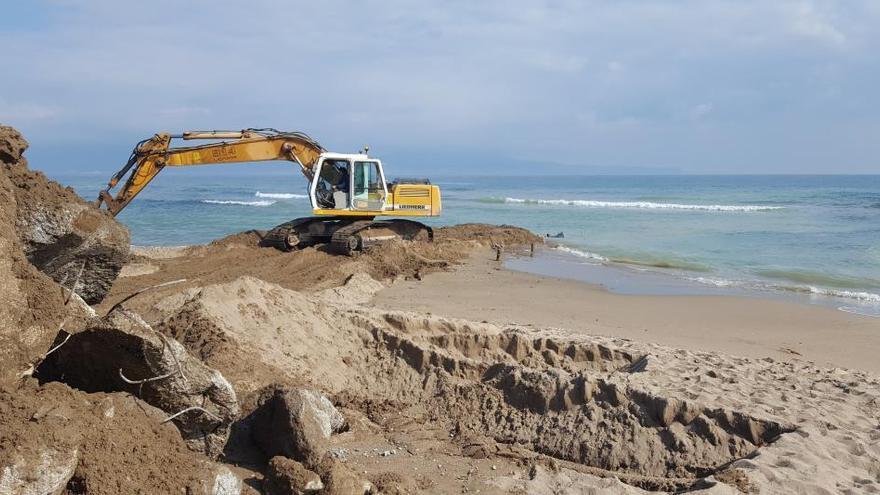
{"x":570,"y":401}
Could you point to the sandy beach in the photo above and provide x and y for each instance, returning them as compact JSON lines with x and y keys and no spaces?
{"x":482,"y":289}
{"x":436,"y":370}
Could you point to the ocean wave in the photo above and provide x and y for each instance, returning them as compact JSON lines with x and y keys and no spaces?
{"x":813,"y":278}
{"x":238,"y":203}
{"x":280,"y":195}
{"x":649,"y":263}
{"x":861,"y":310}
{"x":581,"y":254}
{"x":639,"y":205}
{"x":660,"y":263}
{"x":857,"y":295}
{"x":717,"y":282}
{"x":869,"y":297}
{"x":863,"y":297}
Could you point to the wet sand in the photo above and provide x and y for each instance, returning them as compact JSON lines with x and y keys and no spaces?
{"x":483,"y":290}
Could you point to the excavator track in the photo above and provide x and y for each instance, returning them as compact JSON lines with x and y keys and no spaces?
{"x":346,"y":239}
{"x":302,"y":232}
{"x":362,"y":235}
{"x":346,"y":236}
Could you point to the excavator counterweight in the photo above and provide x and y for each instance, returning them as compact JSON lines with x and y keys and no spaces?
{"x":347,"y":191}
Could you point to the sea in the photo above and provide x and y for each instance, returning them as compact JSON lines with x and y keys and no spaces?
{"x":813,"y":238}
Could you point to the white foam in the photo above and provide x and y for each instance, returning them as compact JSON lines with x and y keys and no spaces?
{"x":280,"y":195}
{"x":874,"y":313}
{"x":582,"y":254}
{"x":869,"y":297}
{"x":864,"y":297}
{"x":717,"y":282}
{"x":640,"y":205}
{"x":239,"y":203}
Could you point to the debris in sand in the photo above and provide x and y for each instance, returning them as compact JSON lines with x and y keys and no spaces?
{"x":120,"y":352}
{"x":62,"y":234}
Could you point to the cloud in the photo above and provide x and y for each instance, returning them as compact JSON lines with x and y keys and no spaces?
{"x":526,"y":79}
{"x":27,"y":112}
{"x":808,"y":21}
{"x":699,"y":112}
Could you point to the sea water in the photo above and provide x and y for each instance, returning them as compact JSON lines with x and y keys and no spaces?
{"x":817,"y":236}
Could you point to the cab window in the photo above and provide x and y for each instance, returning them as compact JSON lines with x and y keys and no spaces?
{"x":368,"y":191}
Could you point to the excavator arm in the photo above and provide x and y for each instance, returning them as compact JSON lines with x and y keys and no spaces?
{"x":152,"y":155}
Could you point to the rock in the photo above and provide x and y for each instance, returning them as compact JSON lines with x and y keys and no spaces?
{"x":45,"y":471}
{"x":223,"y":482}
{"x":288,"y":477}
{"x":61,"y":234}
{"x":121,"y":343}
{"x":340,"y":480}
{"x":295,"y":423}
{"x":12,"y":144}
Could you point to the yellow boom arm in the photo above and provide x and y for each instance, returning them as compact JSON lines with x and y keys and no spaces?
{"x":250,"y":145}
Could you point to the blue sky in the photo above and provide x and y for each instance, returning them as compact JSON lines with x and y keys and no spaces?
{"x":483,"y":87}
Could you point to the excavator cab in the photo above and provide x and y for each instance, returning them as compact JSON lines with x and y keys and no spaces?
{"x":349,"y":182}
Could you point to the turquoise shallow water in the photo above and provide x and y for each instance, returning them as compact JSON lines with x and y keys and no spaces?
{"x":812,"y":235}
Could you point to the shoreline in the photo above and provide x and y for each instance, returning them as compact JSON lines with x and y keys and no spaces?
{"x":481,"y":289}
{"x":559,"y":260}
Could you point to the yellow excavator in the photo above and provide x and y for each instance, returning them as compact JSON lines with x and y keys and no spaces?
{"x":347,"y":191}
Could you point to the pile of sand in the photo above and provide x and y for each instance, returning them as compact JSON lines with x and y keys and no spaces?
{"x":310,"y":269}
{"x":74,"y":442}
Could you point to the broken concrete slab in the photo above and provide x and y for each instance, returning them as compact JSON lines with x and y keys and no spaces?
{"x":121,"y":352}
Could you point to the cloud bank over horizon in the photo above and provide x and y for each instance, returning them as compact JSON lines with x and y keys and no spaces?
{"x":700,"y":86}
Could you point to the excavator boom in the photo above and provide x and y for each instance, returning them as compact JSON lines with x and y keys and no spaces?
{"x":152,"y":155}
